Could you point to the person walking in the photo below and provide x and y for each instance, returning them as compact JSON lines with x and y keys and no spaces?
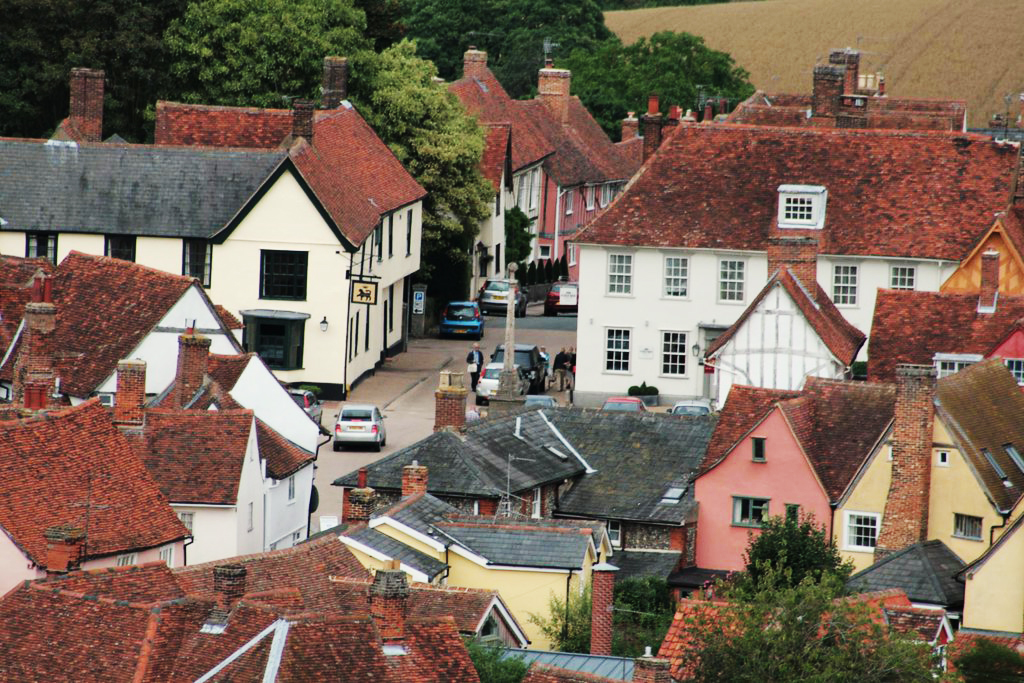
{"x":560,"y":360}
{"x":475,"y":363}
{"x":570,"y":367}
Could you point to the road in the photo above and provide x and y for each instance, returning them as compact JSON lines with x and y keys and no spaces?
{"x":404,"y":389}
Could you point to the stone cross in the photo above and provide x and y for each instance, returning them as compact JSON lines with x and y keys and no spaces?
{"x":508,"y":381}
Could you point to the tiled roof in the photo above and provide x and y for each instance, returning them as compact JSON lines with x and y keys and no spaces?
{"x":225,"y":370}
{"x":546,"y":673}
{"x":917,"y":622}
{"x":149,"y":582}
{"x":842,"y":339}
{"x":228,"y":318}
{"x":984,"y":409}
{"x":921,"y":195}
{"x":282,"y":456}
{"x":16,"y":274}
{"x":639,"y":563}
{"x":353,"y":173}
{"x":925,"y":571}
{"x":743,"y":409}
{"x":497,"y":148}
{"x":196,"y":456}
{"x":393,"y":548}
{"x":883,"y":112}
{"x":74,"y":467}
{"x":912,"y":326}
{"x":420,"y":512}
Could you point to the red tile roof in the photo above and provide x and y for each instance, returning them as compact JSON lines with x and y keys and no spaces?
{"x":16,"y":275}
{"x":912,"y":326}
{"x":918,"y":622}
{"x":228,"y":318}
{"x":842,"y":339}
{"x":72,"y":466}
{"x":148,"y":582}
{"x":282,"y":456}
{"x":779,"y":109}
{"x":743,"y":409}
{"x":922,"y":195}
{"x":352,"y":172}
{"x":225,"y":370}
{"x":497,"y":147}
{"x":545,"y":673}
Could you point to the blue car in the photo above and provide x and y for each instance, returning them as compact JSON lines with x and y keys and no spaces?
{"x":462,"y":319}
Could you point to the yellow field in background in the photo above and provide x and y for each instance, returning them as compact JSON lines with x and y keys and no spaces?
{"x":947,"y":49}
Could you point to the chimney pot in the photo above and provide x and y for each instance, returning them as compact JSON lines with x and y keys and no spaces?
{"x":709,"y":111}
{"x":652,"y":104}
{"x":131,"y":393}
{"x":602,"y":589}
{"x":362,"y":477}
{"x":474,"y":63}
{"x":630,"y":127}
{"x":335,"y":82}
{"x":652,"y":124}
{"x":648,"y":669}
{"x":86,"y":110}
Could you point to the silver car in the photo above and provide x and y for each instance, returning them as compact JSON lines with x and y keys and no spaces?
{"x":495,"y":295}
{"x":693,"y":406}
{"x":360,"y":424}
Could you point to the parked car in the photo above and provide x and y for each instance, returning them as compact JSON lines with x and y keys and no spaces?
{"x":692,"y":406}
{"x":540,"y":401}
{"x":462,"y":318}
{"x":624,"y":404}
{"x":527,"y":357}
{"x":360,"y":424}
{"x":487,"y":387}
{"x":308,"y":401}
{"x":494,"y":297}
{"x":563,"y":297}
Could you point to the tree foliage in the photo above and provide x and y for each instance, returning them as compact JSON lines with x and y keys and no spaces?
{"x":43,"y":41}
{"x":260,"y":53}
{"x":491,"y":667}
{"x":567,"y":629}
{"x":614,"y":78}
{"x":990,"y":662}
{"x":439,"y":144}
{"x":800,"y":633}
{"x":517,"y":236}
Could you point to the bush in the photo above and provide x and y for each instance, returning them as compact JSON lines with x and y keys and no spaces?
{"x":989,"y":661}
{"x":531,"y":273}
{"x":642,"y":390}
{"x":549,"y":271}
{"x":644,"y":608}
{"x":311,"y":387}
{"x":490,"y":665}
{"x":563,"y":267}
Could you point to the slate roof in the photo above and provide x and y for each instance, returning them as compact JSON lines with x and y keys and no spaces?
{"x":352,"y":172}
{"x":925,"y":571}
{"x":842,"y":339}
{"x":408,"y":555}
{"x":567,"y":663}
{"x":984,"y":410}
{"x":911,"y":326}
{"x":634,"y":564}
{"x":72,"y":466}
{"x":908,"y":194}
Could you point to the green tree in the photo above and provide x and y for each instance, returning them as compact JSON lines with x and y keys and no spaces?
{"x":990,"y":662}
{"x":517,"y":236}
{"x":568,"y":629}
{"x":491,"y":667}
{"x":644,"y":608}
{"x":613,"y":78}
{"x":801,"y":633}
{"x":384,"y":23}
{"x":43,"y":41}
{"x":260,"y":53}
{"x":440,"y":145}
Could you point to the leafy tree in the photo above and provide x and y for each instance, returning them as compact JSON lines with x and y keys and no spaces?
{"x":517,"y":235}
{"x":563,"y":267}
{"x":613,"y":78}
{"x":43,"y":41}
{"x":492,"y":667}
{"x":260,"y":52}
{"x":800,"y":633}
{"x":644,"y":608}
{"x":384,"y":24}
{"x":990,"y":662}
{"x":443,"y":29}
{"x":439,"y":144}
{"x":531,"y":273}
{"x":568,"y":629}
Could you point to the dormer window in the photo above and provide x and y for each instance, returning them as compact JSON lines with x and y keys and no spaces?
{"x":802,"y":206}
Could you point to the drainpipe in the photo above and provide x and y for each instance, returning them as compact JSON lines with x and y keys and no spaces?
{"x":565,"y":622}
{"x":1006,"y":518}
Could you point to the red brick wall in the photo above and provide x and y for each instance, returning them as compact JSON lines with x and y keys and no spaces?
{"x":34,"y":364}
{"x":131,"y":392}
{"x":193,"y":353}
{"x":553,"y":91}
{"x":601,"y":612}
{"x":449,"y":408}
{"x":799,"y":255}
{"x":473,"y":63}
{"x":335,"y":82}
{"x":389,"y":597}
{"x":87,"y":103}
{"x":651,"y":670}
{"x":989,"y":278}
{"x":828,"y":87}
{"x":414,"y":479}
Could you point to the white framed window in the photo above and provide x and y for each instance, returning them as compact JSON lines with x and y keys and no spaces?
{"x":614,"y":533}
{"x":1014,"y":454}
{"x":534,"y":189}
{"x":250,"y":515}
{"x":572,"y":254}
{"x":673,"y":353}
{"x":167,"y":555}
{"x":844,"y":285}
{"x":1016,"y":366}
{"x":568,"y":202}
{"x":296,"y":537}
{"x":802,"y":206}
{"x":861,"y":529}
{"x":749,"y":511}
{"x":535,"y":513}
{"x":616,"y":349}
{"x":544,"y":251}
{"x":590,"y":197}
{"x":730,"y":280}
{"x":967,"y":526}
{"x":677,"y":276}
{"x":187,"y":518}
{"x":291,"y":488}
{"x":942,"y":458}
{"x":620,"y":273}
{"x":127,"y":559}
{"x":947,"y":364}
{"x":607,"y":192}
{"x":903,"y":277}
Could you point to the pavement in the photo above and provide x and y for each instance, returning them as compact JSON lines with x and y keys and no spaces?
{"x":403,"y":387}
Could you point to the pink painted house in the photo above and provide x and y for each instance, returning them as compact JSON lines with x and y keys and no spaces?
{"x":783,"y":453}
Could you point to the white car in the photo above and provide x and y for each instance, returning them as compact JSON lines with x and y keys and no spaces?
{"x":360,"y":424}
{"x":488,"y":384}
{"x":693,"y":406}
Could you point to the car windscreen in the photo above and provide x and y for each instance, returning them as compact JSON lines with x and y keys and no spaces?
{"x":690,"y":410}
{"x":497,"y":286}
{"x":353,"y":415}
{"x":623,"y":407}
{"x":460,"y":313}
{"x":523,"y":358}
{"x":492,"y":373}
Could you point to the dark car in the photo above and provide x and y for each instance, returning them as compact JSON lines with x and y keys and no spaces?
{"x":462,"y":319}
{"x":529,"y":359}
{"x":494,"y":296}
{"x":563,"y":297}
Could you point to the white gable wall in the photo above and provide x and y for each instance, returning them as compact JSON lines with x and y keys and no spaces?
{"x":258,"y":390}
{"x":214,"y":532}
{"x":285,"y":517}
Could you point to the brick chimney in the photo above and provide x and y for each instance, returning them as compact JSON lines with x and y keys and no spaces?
{"x":474,"y":63}
{"x":334,"y":88}
{"x":709,"y":111}
{"x":131,"y":393}
{"x":828,"y":88}
{"x":603,"y":577}
{"x":33,"y":375}
{"x":849,"y":60}
{"x":651,"y":125}
{"x":649,"y":669}
{"x":988,"y":296}
{"x":414,"y":479}
{"x":87,"y":103}
{"x":450,"y":401}
{"x":389,"y":600}
{"x":359,"y":502}
{"x":905,"y":520}
{"x":229,"y":584}
{"x":799,"y":255}
{"x":630,"y":127}
{"x":64,"y":547}
{"x":302,"y":119}
{"x":193,"y":355}
{"x":553,"y":90}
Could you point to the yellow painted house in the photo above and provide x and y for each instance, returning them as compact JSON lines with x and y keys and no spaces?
{"x":975,"y":473}
{"x":1006,"y":236}
{"x":528,"y":561}
{"x":994,"y":591}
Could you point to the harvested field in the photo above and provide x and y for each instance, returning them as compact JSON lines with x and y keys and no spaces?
{"x":949,"y":49}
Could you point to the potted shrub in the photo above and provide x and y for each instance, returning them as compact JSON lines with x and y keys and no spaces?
{"x":647,"y":394}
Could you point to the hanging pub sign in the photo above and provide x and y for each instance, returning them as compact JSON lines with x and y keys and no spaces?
{"x":364,"y":292}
